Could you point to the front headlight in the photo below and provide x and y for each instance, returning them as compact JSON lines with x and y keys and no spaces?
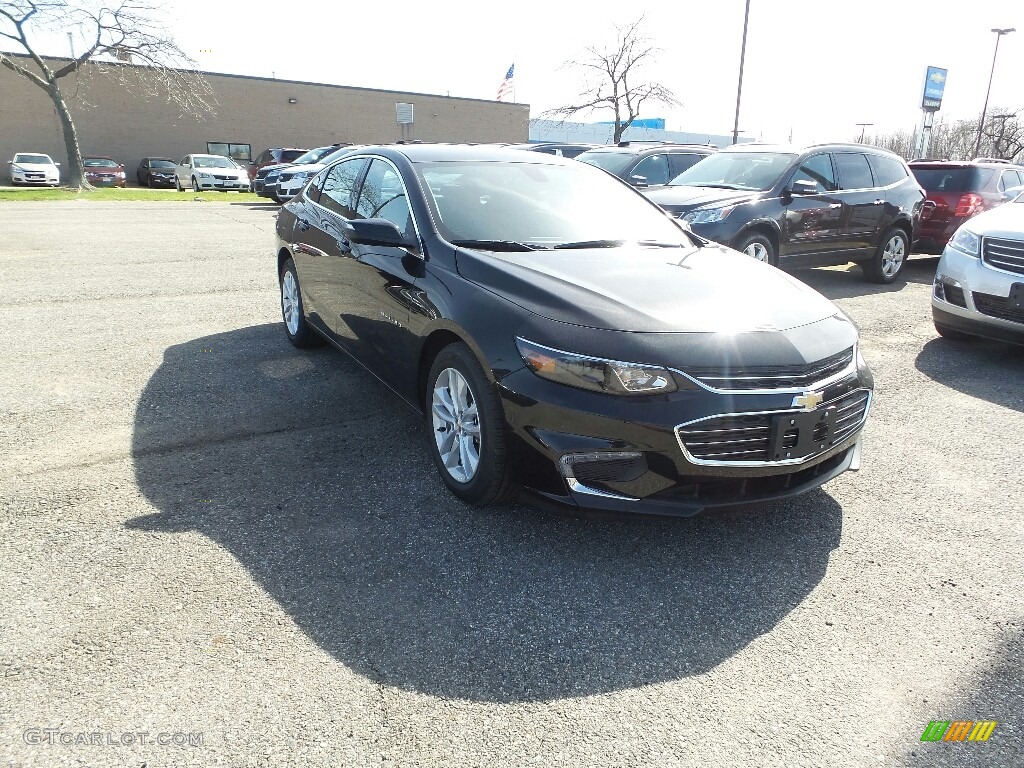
{"x":595,"y":374}
{"x":708,"y":215}
{"x":301,"y":176}
{"x":17,"y":168}
{"x":966,"y":241}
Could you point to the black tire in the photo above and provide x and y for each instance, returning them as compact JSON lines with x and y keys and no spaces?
{"x":301,"y":333}
{"x":491,"y":483}
{"x":195,"y":184}
{"x":948,"y":333}
{"x":756,"y":241}
{"x":177,"y":184}
{"x":880,"y":268}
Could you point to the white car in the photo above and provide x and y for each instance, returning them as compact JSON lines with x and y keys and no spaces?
{"x":210,"y":172}
{"x":979,"y":283}
{"x":34,"y":168}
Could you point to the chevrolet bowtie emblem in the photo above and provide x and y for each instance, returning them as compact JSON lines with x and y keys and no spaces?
{"x":808,"y":400}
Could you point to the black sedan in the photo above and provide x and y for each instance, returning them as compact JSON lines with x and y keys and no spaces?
{"x":561,"y":334}
{"x":155,"y":172}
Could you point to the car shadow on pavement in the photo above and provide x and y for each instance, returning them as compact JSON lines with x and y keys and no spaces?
{"x":990,"y":370}
{"x":846,"y":284}
{"x":316,"y":478}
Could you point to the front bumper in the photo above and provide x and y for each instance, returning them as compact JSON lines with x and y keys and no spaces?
{"x":40,"y":179}
{"x":972,"y":297}
{"x":239,"y":184}
{"x":583,"y":450}
{"x":161,"y":181}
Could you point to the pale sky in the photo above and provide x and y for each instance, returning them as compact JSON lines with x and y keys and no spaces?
{"x":813,"y":67}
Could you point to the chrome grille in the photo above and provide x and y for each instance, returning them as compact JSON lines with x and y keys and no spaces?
{"x":1002,"y":253}
{"x":773,"y":377}
{"x":745,"y":438}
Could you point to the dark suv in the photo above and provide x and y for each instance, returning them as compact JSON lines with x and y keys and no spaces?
{"x":803,"y":206}
{"x":272,"y":156}
{"x":958,"y":190}
{"x":646,"y":163}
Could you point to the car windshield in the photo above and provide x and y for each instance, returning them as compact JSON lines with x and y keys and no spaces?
{"x":289,"y":155}
{"x":613,"y":162}
{"x":98,"y":162}
{"x":736,"y":170}
{"x":521,"y":206}
{"x":161,"y":164}
{"x":952,"y":178}
{"x":33,"y":159}
{"x":314,"y":155}
{"x":213,"y":162}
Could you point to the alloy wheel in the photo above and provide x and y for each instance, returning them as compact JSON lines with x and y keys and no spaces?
{"x":757,"y":251}
{"x":894,"y":253}
{"x":456,"y":423}
{"x":290,"y":302}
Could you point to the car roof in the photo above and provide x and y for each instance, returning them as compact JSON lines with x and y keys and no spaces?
{"x":636,"y":147}
{"x":196,"y":154}
{"x":453,"y":152}
{"x":799,"y":149}
{"x":986,"y":162}
{"x":97,"y":157}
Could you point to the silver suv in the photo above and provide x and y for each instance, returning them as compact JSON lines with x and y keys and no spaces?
{"x":979,"y":283}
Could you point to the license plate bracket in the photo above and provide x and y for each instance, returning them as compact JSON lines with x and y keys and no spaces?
{"x":814,"y":432}
{"x":1016,"y":297}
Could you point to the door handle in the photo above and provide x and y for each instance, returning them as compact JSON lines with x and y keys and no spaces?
{"x":836,"y":205}
{"x":879,"y":201}
{"x":303,"y":225}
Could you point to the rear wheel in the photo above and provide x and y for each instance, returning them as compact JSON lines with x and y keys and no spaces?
{"x":467,"y":429}
{"x":759,"y":247}
{"x":890,"y":259}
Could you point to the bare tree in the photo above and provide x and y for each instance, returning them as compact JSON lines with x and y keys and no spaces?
{"x":122,"y":31}
{"x":611,"y":78}
{"x":1002,"y":137}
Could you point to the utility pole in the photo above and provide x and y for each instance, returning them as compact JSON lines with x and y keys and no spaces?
{"x":71,"y":42}
{"x":984,"y":109}
{"x":863,"y":126}
{"x":739,"y":85}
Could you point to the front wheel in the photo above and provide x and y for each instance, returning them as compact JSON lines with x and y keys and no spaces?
{"x":890,"y":259}
{"x":299,"y":331}
{"x":467,"y":429}
{"x":177,"y":184}
{"x":195,"y":184}
{"x":760,"y":248}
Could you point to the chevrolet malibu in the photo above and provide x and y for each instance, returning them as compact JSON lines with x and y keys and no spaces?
{"x":562,"y":335}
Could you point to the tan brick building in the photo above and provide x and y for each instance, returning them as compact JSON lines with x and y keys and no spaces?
{"x":256,"y":112}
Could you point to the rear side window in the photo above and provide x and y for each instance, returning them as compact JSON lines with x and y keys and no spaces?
{"x":854,"y":171}
{"x":887,"y":170}
{"x":1008,"y":180}
{"x":817,"y":168}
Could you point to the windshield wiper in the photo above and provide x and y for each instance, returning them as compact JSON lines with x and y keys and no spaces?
{"x":589,"y":244}
{"x":714,"y":186}
{"x":660,"y":244}
{"x":494,"y":245}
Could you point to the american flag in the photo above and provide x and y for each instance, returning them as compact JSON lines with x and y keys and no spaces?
{"x":506,"y":86}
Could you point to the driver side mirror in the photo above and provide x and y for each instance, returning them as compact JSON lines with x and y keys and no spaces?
{"x":1012,"y":193}
{"x":638,"y":181}
{"x":376,"y":232}
{"x":804,"y":187}
{"x":57,"y":164}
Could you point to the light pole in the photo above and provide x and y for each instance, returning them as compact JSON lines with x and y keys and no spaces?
{"x":984,"y":109}
{"x":739,"y":85}
{"x":863,"y":126}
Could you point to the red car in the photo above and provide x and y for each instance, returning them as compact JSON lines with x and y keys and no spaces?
{"x":956,"y":191}
{"x":103,"y":172}
{"x":273,"y":156}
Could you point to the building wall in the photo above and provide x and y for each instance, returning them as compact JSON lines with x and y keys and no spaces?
{"x":118,"y":123}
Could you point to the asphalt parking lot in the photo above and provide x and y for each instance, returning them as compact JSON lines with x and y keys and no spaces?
{"x":206,"y":531}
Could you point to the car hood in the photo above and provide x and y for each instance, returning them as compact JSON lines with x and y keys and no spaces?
{"x":314,"y":167}
{"x":1007,"y":220}
{"x":680,"y":199}
{"x":36,"y":167}
{"x":644,"y":289}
